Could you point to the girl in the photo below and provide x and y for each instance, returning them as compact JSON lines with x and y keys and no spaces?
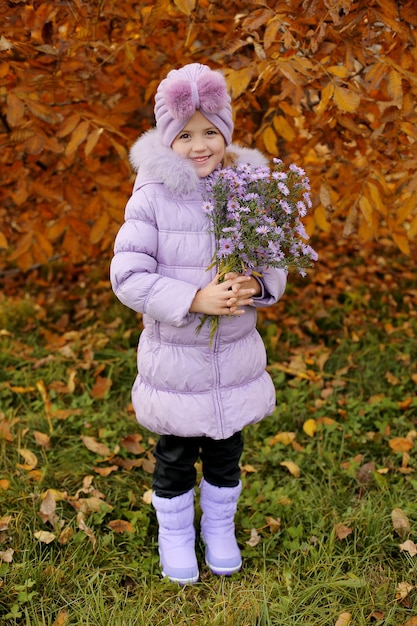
{"x":196,"y":394}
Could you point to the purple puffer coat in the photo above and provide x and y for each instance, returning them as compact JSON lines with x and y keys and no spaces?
{"x":185,"y":386}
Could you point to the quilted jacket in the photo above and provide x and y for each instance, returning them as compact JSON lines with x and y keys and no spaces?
{"x":185,"y":386}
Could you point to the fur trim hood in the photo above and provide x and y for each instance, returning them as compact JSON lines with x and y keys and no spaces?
{"x":155,"y":163}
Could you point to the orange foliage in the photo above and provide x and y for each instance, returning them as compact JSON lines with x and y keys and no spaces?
{"x":329,"y":84}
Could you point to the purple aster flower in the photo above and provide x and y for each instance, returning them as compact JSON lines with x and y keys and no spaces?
{"x":226,"y":247}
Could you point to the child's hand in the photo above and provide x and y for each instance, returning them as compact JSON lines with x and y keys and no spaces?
{"x":240,"y":294}
{"x":226,"y":297}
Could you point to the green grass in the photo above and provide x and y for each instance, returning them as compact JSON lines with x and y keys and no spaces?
{"x":346,"y":358}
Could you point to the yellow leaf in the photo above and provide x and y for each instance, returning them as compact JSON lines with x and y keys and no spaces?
{"x":292,"y":467}
{"x":238,"y":80}
{"x":271,"y":31}
{"x":343,"y":619}
{"x":401,"y":239}
{"x":99,"y":228}
{"x":338,"y":70}
{"x":283,"y":128}
{"x":285,"y":437}
{"x":62,"y":619}
{"x":345,"y":99}
{"x":400,"y":444}
{"x":3,"y":241}
{"x":412,"y":231}
{"x":367,"y":210}
{"x":44,"y":536}
{"x":270,"y":140}
{"x":320,"y":218}
{"x":77,"y":137}
{"x":185,"y":6}
{"x":4,"y":484}
{"x":68,"y":126}
{"x":407,"y":206}
{"x":394,"y":85}
{"x":147,"y":496}
{"x":373,"y":192}
{"x":326,"y":94}
{"x":92,"y":140}
{"x":30,"y":458}
{"x":41,"y":439}
{"x":310,"y":427}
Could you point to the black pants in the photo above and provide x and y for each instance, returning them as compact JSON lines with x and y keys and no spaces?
{"x":175,"y":471}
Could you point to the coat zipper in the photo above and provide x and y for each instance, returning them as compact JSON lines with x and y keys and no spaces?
{"x":217,"y":380}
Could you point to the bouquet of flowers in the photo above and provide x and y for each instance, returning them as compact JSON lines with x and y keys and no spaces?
{"x":255,"y":215}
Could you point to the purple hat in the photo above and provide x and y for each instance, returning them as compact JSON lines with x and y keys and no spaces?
{"x":192,"y":88}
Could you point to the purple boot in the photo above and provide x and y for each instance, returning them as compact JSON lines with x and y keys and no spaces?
{"x":218,"y":527}
{"x":176,"y":539}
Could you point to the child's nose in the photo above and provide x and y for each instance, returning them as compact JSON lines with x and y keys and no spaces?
{"x":199,"y":143}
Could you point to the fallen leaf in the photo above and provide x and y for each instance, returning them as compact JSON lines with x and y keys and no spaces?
{"x":4,"y":484}
{"x":42,"y":439}
{"x":409,"y":546}
{"x":44,"y":536}
{"x":248,"y":468}
{"x":5,"y":432}
{"x":400,"y":522}
{"x":105,"y":471}
{"x":148,"y":465}
{"x":342,"y":531}
{"x":310,"y":427}
{"x":121,"y":526}
{"x":132,"y":444}
{"x":7,"y":555}
{"x":285,"y":438}
{"x":65,"y":536}
{"x":30,"y":458}
{"x":147,"y":496}
{"x":83,"y":526}
{"x":402,"y":591}
{"x":365,"y":472}
{"x":100,"y":388}
{"x":273,"y":524}
{"x":61,"y":620}
{"x":343,"y":619}
{"x":292,"y":468}
{"x":4,"y":522}
{"x":254,"y":538}
{"x":400,"y":444}
{"x":47,"y":510}
{"x":411,"y":622}
{"x":95,"y":446}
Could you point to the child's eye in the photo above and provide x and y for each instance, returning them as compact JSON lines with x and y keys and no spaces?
{"x":211,"y":132}
{"x":184,"y":136}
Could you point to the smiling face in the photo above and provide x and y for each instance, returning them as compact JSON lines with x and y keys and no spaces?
{"x":202,"y":143}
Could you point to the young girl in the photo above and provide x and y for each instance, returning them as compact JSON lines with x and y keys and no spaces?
{"x":196,"y":394}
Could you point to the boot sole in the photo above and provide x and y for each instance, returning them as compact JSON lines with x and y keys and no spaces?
{"x":182,"y":581}
{"x":223,"y":571}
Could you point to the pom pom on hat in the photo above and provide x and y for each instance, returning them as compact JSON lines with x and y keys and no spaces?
{"x":192,"y":88}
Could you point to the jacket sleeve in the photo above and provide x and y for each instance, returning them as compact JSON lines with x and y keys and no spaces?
{"x":133,"y":270}
{"x":273,"y":283}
